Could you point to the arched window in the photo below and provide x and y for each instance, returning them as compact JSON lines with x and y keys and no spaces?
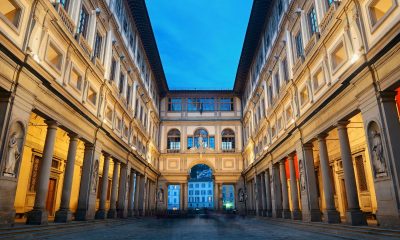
{"x":174,"y":140}
{"x":228,"y":140}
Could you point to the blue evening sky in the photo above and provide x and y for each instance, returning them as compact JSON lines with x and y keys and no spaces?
{"x":200,"y":41}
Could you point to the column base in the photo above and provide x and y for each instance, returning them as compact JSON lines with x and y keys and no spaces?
{"x":37,"y":217}
{"x":286,"y":214}
{"x":388,"y":221}
{"x":315,"y":215}
{"x":112,"y":213}
{"x":141,"y":212}
{"x":122,"y":213}
{"x":356,"y":217}
{"x":131,"y":213}
{"x":82,"y":215}
{"x":296,"y":215}
{"x":277,"y":213}
{"x":63,"y":216}
{"x":7,"y":217}
{"x":268,"y":213}
{"x":331,"y":216}
{"x":101,"y":214}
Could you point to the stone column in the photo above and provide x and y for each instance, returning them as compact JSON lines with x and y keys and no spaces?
{"x":137,"y":196}
{"x":285,"y":196}
{"x":268,"y":200}
{"x":216,"y":196}
{"x":256,"y":195}
{"x":308,"y":184}
{"x":88,"y":187}
{"x":220,"y":196}
{"x":142,"y":195}
{"x":354,"y":216}
{"x":131,"y":201}
{"x":112,"y":212}
{"x":262,"y":194}
{"x":101,"y":213}
{"x":296,"y":213}
{"x":64,"y":214}
{"x":39,"y":213}
{"x":276,"y":191}
{"x":122,"y":209}
{"x":185,"y":195}
{"x":331,"y":215}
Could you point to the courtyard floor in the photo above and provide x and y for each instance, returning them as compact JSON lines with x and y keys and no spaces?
{"x":209,"y":228}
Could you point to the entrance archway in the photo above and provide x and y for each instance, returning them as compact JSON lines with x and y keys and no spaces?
{"x":200,"y":188}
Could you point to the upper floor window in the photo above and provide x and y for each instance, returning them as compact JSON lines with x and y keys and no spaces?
{"x":228,"y":140}
{"x":64,"y":4}
{"x":277,"y":83}
{"x":285,"y":70}
{"x":379,"y":9}
{"x":174,"y":140}
{"x":98,"y":45}
{"x":226,"y":104}
{"x":121,"y":83}
{"x":299,"y":44}
{"x":312,"y":21}
{"x":174,"y":104}
{"x":10,"y":12}
{"x":83,"y":21}
{"x":112,"y":70}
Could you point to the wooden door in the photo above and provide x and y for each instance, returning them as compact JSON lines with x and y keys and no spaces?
{"x":50,"y":196}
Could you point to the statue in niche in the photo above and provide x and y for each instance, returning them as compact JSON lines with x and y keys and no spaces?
{"x":14,"y":150}
{"x":95,"y":176}
{"x":241,"y":195}
{"x":378,"y":159}
{"x":160,"y":195}
{"x":302,"y":177}
{"x":201,"y":143}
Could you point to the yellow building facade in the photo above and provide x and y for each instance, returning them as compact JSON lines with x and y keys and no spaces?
{"x":89,"y":128}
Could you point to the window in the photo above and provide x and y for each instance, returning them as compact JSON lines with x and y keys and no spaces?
{"x":228,"y":140}
{"x":206,"y":104}
{"x":312,"y":21}
{"x":285,"y":70}
{"x":174,"y":104}
{"x":191,"y":104}
{"x":338,"y":56}
{"x":289,"y":113}
{"x":212,"y":142}
{"x":98,"y":45}
{"x":226,"y":104}
{"x":304,"y":96}
{"x":189,"y":142}
{"x":109,"y":113}
{"x":121,"y":83}
{"x":75,"y":79}
{"x":92,"y":96}
{"x":64,"y":4}
{"x":128,"y":94}
{"x":112,"y":70}
{"x":299,"y":44}
{"x":329,"y":2}
{"x":318,"y":79}
{"x":10,"y":12}
{"x":277,"y":83}
{"x":379,"y":9}
{"x":83,"y":22}
{"x":54,"y":56}
{"x":174,"y":140}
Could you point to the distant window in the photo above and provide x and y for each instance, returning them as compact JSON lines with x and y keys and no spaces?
{"x":318,"y":79}
{"x":64,"y":4}
{"x":338,"y":56}
{"x":189,"y":142}
{"x":98,"y":45}
{"x":299,"y":44}
{"x":312,"y":21}
{"x":112,"y":70}
{"x":121,"y":82}
{"x":226,"y":104}
{"x":174,"y":104}
{"x":379,"y":9}
{"x":174,"y":140}
{"x":228,"y":140}
{"x":54,"y":56}
{"x":10,"y":11}
{"x":83,"y":21}
{"x":277,"y":83}
{"x":285,"y":70}
{"x":92,"y":96}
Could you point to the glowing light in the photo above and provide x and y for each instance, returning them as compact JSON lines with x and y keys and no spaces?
{"x":355,"y":57}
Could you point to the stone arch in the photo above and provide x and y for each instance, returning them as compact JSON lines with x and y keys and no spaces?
{"x":13,"y":149}
{"x":202,"y":161}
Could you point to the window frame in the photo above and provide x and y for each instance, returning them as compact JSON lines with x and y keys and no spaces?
{"x":21,"y":13}
{"x":375,"y":25}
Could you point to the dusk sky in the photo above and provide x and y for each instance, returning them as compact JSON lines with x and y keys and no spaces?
{"x":200,"y":41}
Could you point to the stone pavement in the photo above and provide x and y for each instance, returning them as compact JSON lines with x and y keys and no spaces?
{"x":205,"y":227}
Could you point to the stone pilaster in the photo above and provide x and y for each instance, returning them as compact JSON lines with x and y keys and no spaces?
{"x":285,"y":196}
{"x":131,"y":196}
{"x":276,"y":191}
{"x":296,"y":213}
{"x":102,"y":213}
{"x":122,"y":208}
{"x":112,"y":212}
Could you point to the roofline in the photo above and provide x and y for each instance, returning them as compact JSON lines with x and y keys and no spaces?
{"x":258,"y":17}
{"x":201,"y":91}
{"x":143,"y":24}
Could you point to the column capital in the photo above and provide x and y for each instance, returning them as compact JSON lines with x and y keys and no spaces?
{"x":282,"y":162}
{"x":291,"y":155}
{"x":73,"y":136}
{"x":387,"y":96}
{"x":322,"y":136}
{"x":51,"y":123}
{"x":308,"y":146}
{"x":342,"y":124}
{"x":106,"y":155}
{"x":116,"y":162}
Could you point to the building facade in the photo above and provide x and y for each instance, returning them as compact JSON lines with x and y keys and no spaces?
{"x":89,"y":128}
{"x":200,"y":194}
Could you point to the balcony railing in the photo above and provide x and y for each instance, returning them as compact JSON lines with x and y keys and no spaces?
{"x":173,"y":150}
{"x":328,"y":17}
{"x":84,"y":44}
{"x":228,"y":150}
{"x":311,"y":43}
{"x":67,"y":20}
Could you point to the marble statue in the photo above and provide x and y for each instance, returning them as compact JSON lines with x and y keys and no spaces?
{"x":12,"y":156}
{"x":95,"y":176}
{"x":378,"y":160}
{"x":302,"y":177}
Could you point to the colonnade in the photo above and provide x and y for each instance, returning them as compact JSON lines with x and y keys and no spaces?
{"x":130,"y":190}
{"x":270,"y":187}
